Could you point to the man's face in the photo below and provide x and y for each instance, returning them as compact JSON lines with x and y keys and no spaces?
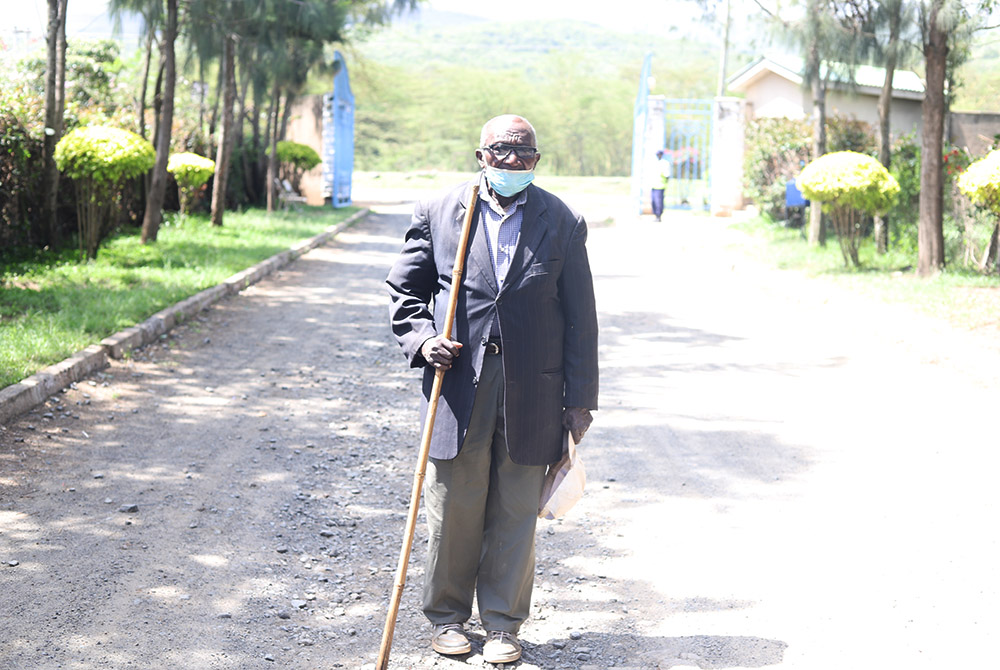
{"x":509,"y":146}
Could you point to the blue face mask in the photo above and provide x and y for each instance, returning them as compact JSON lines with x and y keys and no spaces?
{"x":508,"y":183}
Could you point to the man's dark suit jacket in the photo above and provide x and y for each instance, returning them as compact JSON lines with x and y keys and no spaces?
{"x":548,"y":320}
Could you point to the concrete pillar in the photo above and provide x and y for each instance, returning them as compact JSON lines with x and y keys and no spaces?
{"x":728,"y":123}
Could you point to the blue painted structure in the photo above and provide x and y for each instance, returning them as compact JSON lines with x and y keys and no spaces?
{"x":640,"y":150}
{"x":338,"y":136}
{"x":683,"y":129}
{"x":793,"y":196}
{"x":795,"y":205}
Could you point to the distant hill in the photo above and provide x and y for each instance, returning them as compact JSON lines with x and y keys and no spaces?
{"x":979,"y":78}
{"x":688,"y":63}
{"x":424,"y":85}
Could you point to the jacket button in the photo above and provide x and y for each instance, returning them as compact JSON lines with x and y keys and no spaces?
{"x":483,"y":341}
{"x":475,"y":381}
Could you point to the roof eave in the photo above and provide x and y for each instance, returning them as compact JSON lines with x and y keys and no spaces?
{"x":903,"y":94}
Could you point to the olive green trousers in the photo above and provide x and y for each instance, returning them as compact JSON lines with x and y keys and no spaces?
{"x":481,"y":510}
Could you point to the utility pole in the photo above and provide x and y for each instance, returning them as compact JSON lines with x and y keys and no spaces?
{"x":724,"y":58}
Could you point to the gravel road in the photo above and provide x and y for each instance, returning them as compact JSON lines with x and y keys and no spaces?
{"x":782,"y":474}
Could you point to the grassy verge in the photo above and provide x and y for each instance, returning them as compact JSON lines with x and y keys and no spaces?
{"x":52,"y":305}
{"x":962,"y":296}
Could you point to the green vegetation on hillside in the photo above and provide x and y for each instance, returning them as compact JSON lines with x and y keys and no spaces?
{"x":423,"y":92}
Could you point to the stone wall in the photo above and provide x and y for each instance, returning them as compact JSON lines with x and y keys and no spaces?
{"x":305,"y":126}
{"x":973,"y":130}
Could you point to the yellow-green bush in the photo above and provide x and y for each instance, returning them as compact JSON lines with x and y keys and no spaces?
{"x":296,"y":159}
{"x":100,"y":160}
{"x":849,"y":185}
{"x":849,"y":179}
{"x":301,"y":156}
{"x":191,"y":172}
{"x":104,"y":155}
{"x":981,"y":182}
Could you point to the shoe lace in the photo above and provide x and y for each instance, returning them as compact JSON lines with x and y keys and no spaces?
{"x":499,"y":636}
{"x":449,"y":626}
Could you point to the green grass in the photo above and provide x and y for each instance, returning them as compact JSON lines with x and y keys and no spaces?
{"x":52,"y":305}
{"x":963,"y":296}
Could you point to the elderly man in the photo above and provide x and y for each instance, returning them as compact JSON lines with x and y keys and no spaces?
{"x":522,"y":367}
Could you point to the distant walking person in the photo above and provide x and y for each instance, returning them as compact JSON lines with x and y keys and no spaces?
{"x":661,"y":175}
{"x":522,"y":367}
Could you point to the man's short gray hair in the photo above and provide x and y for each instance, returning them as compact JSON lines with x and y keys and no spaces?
{"x":504,"y":118}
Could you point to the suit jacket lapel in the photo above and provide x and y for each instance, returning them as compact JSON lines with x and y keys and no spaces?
{"x":534,"y":226}
{"x":479,"y":252}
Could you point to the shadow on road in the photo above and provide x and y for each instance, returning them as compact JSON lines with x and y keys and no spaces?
{"x":268,"y":447}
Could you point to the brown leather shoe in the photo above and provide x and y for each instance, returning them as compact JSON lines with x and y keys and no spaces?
{"x":501,"y":647}
{"x":450,"y":639}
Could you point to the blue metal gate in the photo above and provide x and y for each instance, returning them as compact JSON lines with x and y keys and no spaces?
{"x":338,"y":137}
{"x":688,"y":132}
{"x":682,"y":129}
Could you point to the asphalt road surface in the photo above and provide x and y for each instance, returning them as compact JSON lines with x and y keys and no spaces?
{"x":782,"y":474}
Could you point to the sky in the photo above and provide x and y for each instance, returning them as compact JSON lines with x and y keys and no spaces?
{"x":34,"y":14}
{"x":628,"y":15}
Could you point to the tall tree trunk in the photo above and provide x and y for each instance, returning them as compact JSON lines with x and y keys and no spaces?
{"x":817,"y":231}
{"x":202,"y":91}
{"x":55,"y":78}
{"x":158,"y":187}
{"x":895,"y":7}
{"x":141,"y":102}
{"x":214,"y":119}
{"x":257,"y":185}
{"x":270,"y":130}
{"x":724,"y":57}
{"x":226,"y":131}
{"x":244,"y":86}
{"x":61,"y":73}
{"x":158,"y":94}
{"x":286,"y":114}
{"x":269,"y":127}
{"x":930,"y":228}
{"x":141,"y":111}
{"x":272,"y":154}
{"x":991,"y":255}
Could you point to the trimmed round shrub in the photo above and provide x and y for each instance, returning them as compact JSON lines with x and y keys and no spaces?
{"x":849,"y":185}
{"x":100,"y":161}
{"x":300,"y":156}
{"x":296,"y":159}
{"x":191,"y":172}
{"x":104,"y":155}
{"x":981,"y":182}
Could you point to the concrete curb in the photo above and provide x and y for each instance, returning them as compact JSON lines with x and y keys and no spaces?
{"x":18,"y":398}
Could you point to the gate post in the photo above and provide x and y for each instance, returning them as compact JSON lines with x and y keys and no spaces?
{"x":338,"y":137}
{"x":728,"y":123}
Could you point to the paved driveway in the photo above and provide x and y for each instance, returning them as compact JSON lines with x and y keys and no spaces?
{"x":782,"y":475}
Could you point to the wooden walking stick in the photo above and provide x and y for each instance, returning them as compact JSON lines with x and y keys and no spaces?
{"x":425,"y":442}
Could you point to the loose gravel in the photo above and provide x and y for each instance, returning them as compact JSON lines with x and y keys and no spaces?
{"x":233,"y":496}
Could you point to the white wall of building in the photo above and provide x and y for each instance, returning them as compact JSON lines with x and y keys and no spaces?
{"x":773,"y":96}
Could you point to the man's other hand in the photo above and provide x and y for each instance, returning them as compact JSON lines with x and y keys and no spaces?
{"x":577,"y":420}
{"x":439,"y":351}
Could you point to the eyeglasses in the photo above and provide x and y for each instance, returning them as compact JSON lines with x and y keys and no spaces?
{"x":502,"y":150}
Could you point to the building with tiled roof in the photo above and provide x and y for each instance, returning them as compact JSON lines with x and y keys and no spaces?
{"x":774,"y":87}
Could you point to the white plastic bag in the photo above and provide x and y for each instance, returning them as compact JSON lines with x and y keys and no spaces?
{"x":564,"y":483}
